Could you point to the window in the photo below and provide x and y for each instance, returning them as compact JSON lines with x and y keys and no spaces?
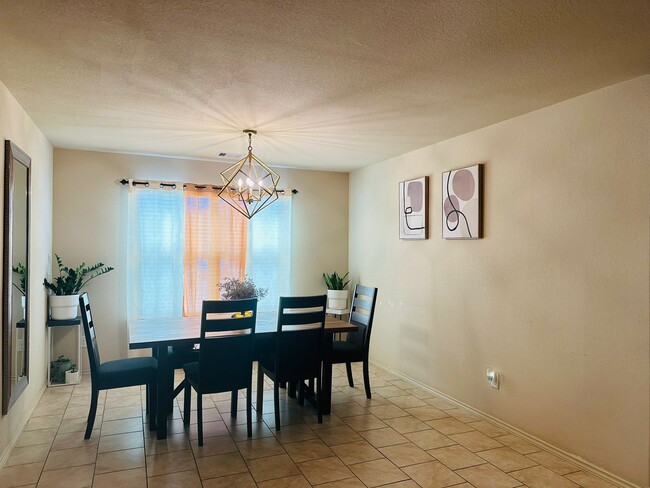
{"x":269,"y":251}
{"x":182,"y":243}
{"x":155,"y":253}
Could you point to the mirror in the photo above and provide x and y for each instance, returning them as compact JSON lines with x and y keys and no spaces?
{"x":15,"y":274}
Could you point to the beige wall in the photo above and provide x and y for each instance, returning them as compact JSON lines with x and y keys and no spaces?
{"x":15,"y":125}
{"x":555,"y":297}
{"x":89,"y":224}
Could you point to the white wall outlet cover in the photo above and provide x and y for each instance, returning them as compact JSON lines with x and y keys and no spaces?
{"x":492,"y":378}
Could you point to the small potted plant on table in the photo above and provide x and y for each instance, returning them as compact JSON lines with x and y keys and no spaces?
{"x":238,"y":289}
{"x":68,"y":284}
{"x":337,"y":295}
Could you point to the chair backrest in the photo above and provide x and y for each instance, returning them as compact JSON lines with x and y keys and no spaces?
{"x":89,"y":333}
{"x":299,"y":338}
{"x":226,"y":352}
{"x":362,"y":313}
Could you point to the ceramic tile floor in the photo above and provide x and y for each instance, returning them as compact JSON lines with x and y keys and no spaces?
{"x":404,"y":437}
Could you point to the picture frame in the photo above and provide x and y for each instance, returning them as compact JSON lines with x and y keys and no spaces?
{"x":414,"y":209}
{"x":462,"y":203}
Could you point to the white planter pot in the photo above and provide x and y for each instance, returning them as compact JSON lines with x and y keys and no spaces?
{"x":337,"y":299}
{"x":64,"y":307}
{"x":71,"y":378}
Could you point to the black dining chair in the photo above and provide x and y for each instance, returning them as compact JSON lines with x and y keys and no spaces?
{"x":120,"y":373}
{"x":177,"y":357}
{"x":357,"y":344}
{"x":298,"y":354}
{"x":225,"y":356}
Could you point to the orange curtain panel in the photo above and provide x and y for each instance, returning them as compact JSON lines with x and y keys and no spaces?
{"x":215,"y":247}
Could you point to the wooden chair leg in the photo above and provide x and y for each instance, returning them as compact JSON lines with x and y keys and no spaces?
{"x":348,"y":367}
{"x":91,"y":414}
{"x":319,"y":400}
{"x":366,"y":378}
{"x":199,"y":416}
{"x":276,"y":403}
{"x":152,"y":394}
{"x":260,"y":389}
{"x":249,"y":412}
{"x":170,"y":387}
{"x":187,"y":403}
{"x":301,"y":393}
{"x":233,"y":403}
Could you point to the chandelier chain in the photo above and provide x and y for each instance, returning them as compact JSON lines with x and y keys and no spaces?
{"x":250,"y":142}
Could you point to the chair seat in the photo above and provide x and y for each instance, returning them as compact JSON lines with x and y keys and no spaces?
{"x":343,"y":352}
{"x":127,"y":372}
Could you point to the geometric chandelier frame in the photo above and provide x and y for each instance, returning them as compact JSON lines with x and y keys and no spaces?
{"x":249,"y":185}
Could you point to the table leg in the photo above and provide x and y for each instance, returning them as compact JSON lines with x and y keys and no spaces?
{"x":163,"y":393}
{"x":326,"y":393}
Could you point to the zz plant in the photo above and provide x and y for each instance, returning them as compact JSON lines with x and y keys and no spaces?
{"x":71,"y":280}
{"x":335,"y":282}
{"x":21,"y":271}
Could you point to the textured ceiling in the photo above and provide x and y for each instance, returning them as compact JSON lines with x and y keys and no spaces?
{"x":328,"y":84}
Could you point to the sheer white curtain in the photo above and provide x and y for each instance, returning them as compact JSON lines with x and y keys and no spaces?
{"x":155,"y":252}
{"x":268,"y":259}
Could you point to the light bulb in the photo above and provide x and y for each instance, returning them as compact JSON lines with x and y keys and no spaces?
{"x":240,"y":182}
{"x":249,"y":182}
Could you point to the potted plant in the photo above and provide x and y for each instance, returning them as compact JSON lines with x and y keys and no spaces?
{"x":238,"y":289}
{"x":21,"y":271}
{"x":59,"y":367}
{"x":67,"y":285}
{"x":337,"y":295}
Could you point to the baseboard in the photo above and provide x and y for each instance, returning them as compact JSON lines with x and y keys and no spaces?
{"x":572,"y":458}
{"x":7,"y":452}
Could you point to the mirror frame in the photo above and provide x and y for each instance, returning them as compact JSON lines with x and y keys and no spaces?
{"x":13,"y":154}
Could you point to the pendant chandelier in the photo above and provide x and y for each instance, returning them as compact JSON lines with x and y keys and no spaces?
{"x":249,"y":185}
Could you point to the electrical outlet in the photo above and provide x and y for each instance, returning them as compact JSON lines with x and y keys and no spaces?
{"x":20,"y":345}
{"x":492,"y":378}
{"x":83,"y":340}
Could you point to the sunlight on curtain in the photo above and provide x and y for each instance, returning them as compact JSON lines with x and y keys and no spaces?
{"x":215,"y":247}
{"x":154,"y":253}
{"x":269,"y":252}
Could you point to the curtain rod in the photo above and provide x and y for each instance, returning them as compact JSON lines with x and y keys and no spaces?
{"x":163,"y":184}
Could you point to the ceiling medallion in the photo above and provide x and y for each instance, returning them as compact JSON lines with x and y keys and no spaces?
{"x":249,"y":185}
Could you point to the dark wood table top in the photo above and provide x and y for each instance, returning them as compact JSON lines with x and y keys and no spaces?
{"x":144,"y":334}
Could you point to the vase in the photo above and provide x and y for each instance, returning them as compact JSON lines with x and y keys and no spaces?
{"x":71,"y":378}
{"x":337,"y":299}
{"x":64,"y":307}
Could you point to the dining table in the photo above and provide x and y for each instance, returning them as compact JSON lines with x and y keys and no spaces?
{"x":160,"y":334}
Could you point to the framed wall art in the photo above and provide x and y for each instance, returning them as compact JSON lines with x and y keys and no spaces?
{"x":462,"y":203}
{"x":414,"y":208}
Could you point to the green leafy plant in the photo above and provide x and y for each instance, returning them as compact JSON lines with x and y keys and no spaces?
{"x":58,"y":367}
{"x":335,"y":282}
{"x":71,"y":280}
{"x":237,"y":289}
{"x":21,"y":271}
